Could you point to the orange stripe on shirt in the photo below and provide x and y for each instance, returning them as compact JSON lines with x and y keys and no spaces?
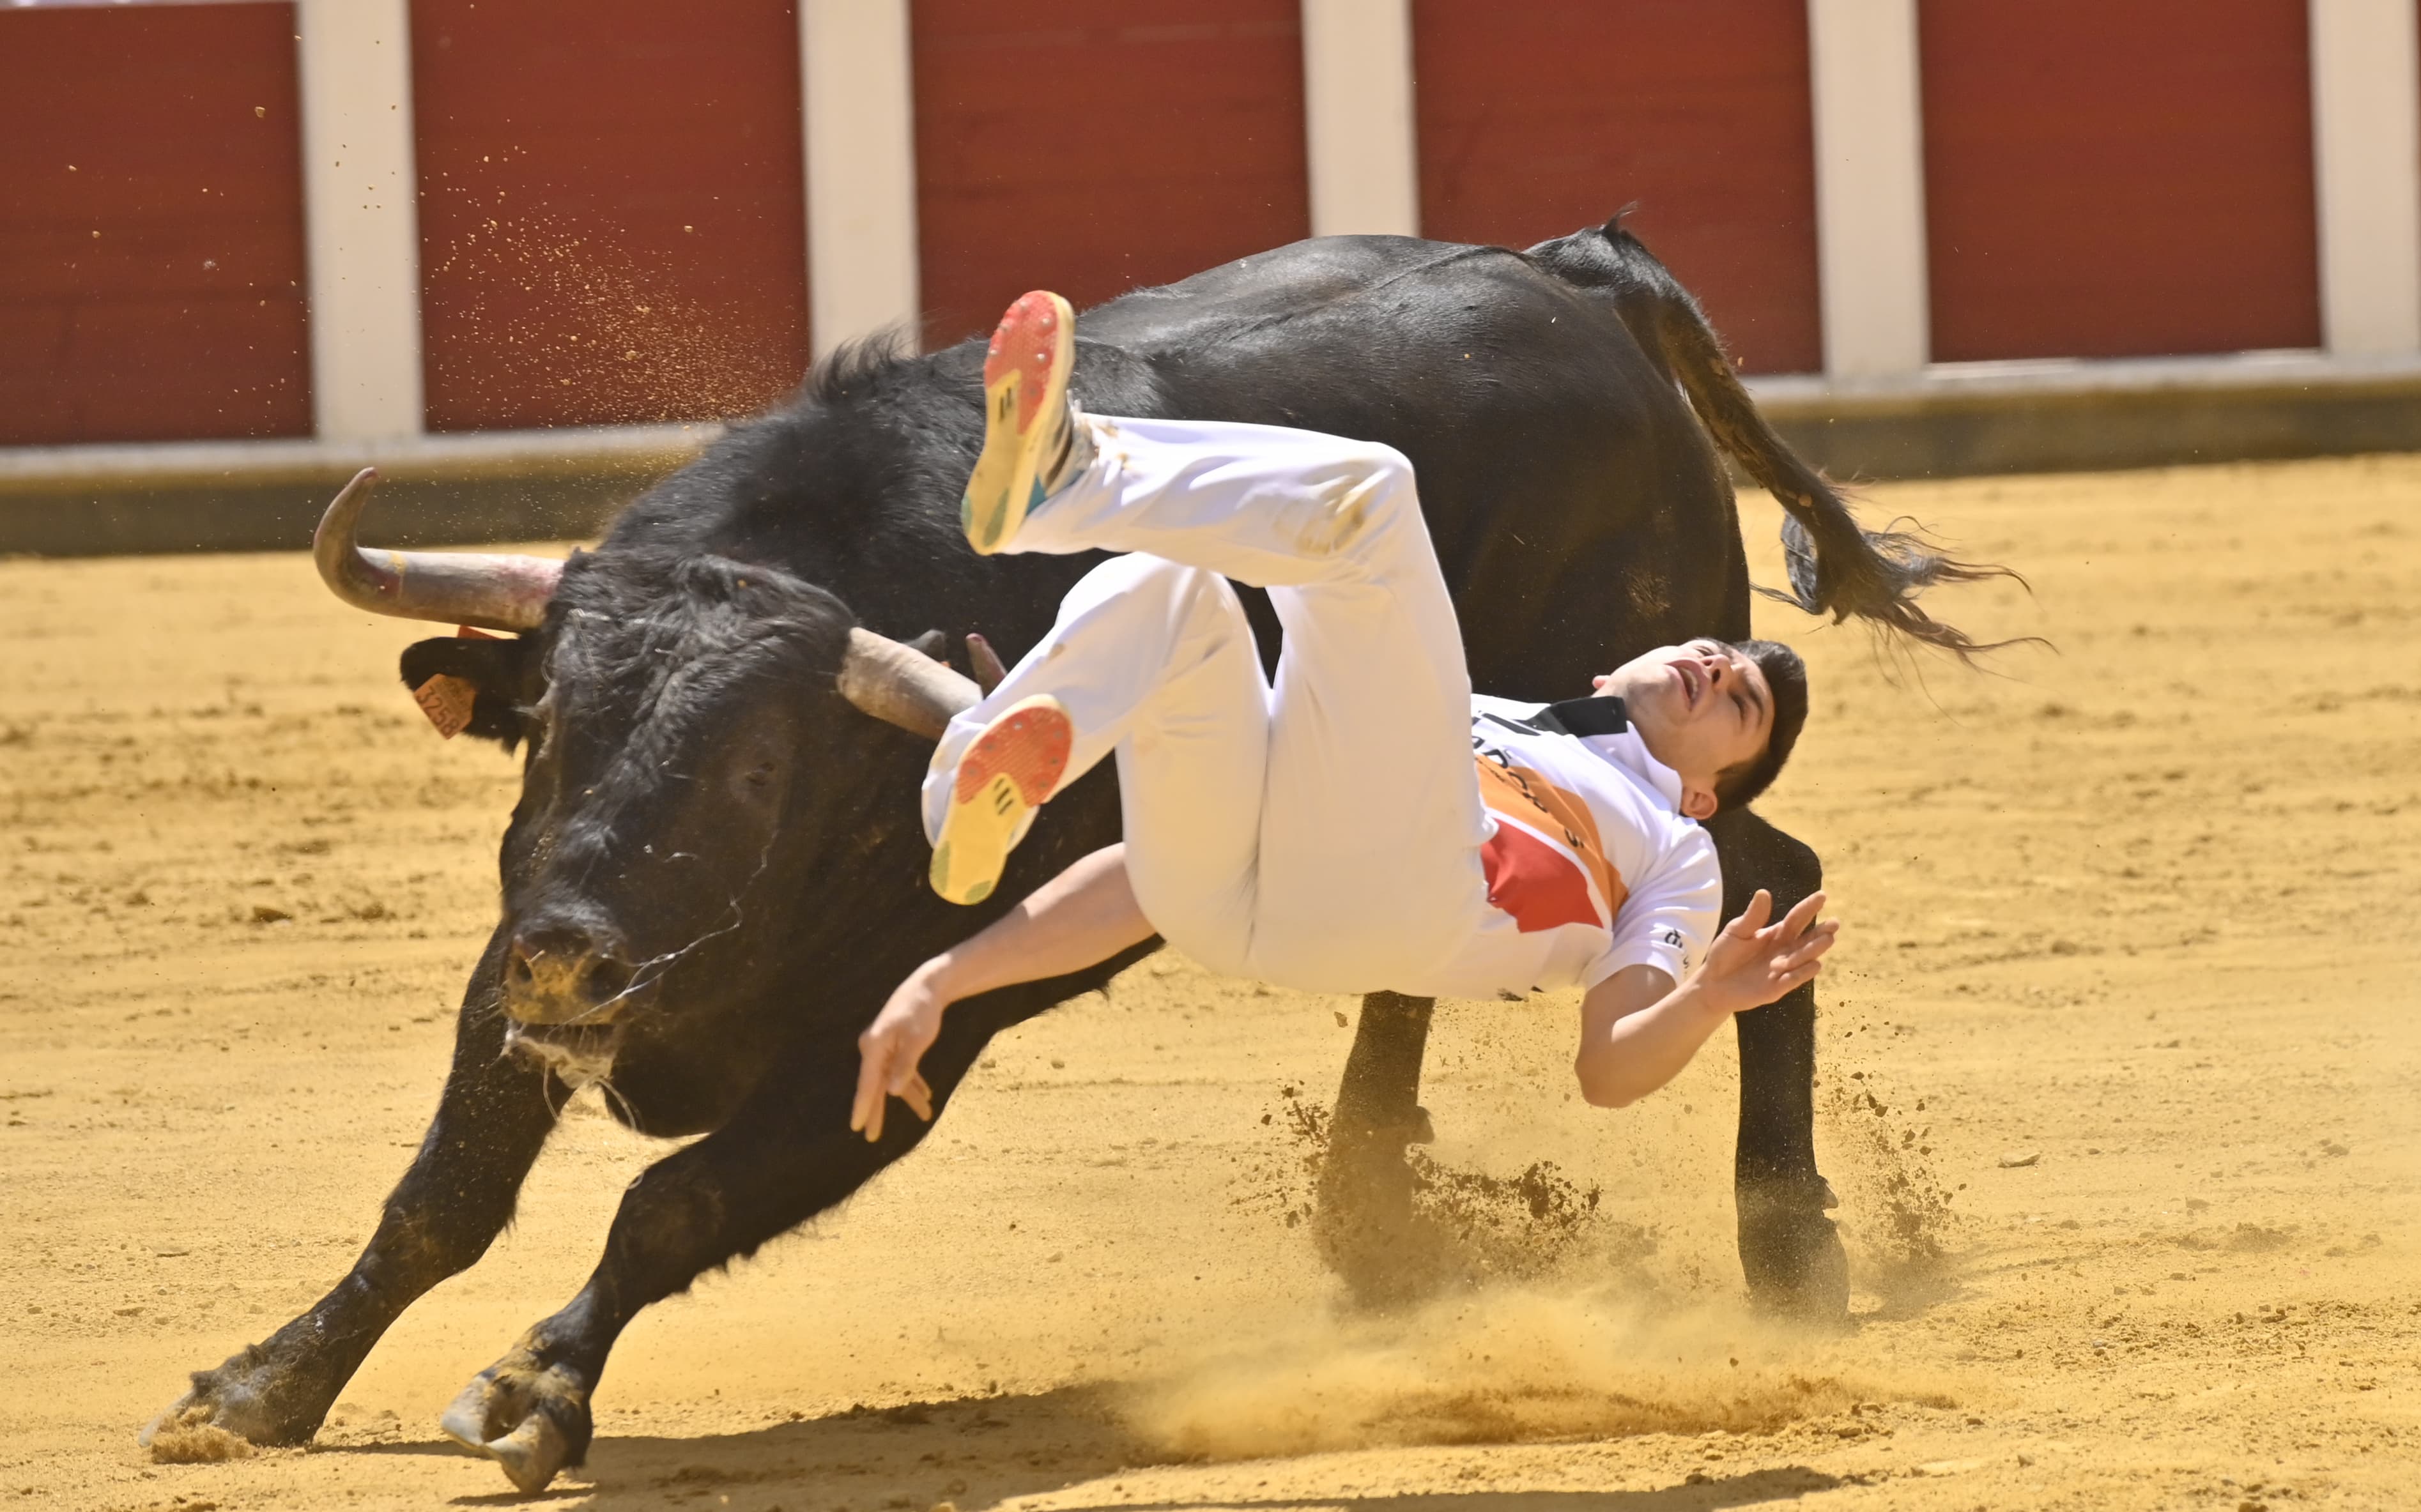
{"x":1523,"y":794}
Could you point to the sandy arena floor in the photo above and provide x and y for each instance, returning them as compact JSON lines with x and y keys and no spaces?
{"x":2121,"y":1077}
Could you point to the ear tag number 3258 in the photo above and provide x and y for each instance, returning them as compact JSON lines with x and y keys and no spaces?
{"x":447,"y":699}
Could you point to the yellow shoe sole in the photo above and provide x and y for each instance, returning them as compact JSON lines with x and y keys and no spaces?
{"x":1026,"y":383}
{"x":1007,"y":771}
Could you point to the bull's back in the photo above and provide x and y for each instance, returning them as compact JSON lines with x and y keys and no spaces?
{"x":1577,"y":506}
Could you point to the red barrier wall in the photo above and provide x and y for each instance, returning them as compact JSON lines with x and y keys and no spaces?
{"x":2113,"y":181}
{"x":1094,"y":145}
{"x":152,"y":245}
{"x":1540,"y":117}
{"x":613,"y":221}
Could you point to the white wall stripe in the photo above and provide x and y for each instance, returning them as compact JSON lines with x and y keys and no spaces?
{"x":1869,"y":187}
{"x":856,"y":76}
{"x":361,"y":219}
{"x":2367,"y":142}
{"x":1358,"y":122}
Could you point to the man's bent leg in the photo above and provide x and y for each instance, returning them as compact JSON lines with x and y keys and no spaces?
{"x":1371,"y":829}
{"x":1155,"y":661}
{"x":1264,"y":505}
{"x":1372,"y":822}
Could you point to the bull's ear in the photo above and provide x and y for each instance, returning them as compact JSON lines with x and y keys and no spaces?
{"x":472,"y":685}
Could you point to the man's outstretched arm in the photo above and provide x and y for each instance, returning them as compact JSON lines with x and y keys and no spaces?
{"x":1638,"y":1029}
{"x":1084,"y":916}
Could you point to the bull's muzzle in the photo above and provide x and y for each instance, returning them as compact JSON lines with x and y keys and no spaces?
{"x":564,"y":973}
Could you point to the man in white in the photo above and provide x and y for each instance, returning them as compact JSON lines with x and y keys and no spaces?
{"x":1365,"y":824}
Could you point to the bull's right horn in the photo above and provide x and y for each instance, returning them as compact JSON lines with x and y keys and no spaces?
{"x":490,"y":589}
{"x":903,"y":686}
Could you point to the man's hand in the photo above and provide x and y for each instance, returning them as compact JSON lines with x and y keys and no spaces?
{"x":1753,"y":964}
{"x":888,"y":1051}
{"x":1083,"y":916}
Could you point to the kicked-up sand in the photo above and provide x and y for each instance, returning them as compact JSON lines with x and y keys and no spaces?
{"x":2120,"y":1088}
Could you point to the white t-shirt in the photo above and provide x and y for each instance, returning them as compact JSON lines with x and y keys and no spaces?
{"x":1590,"y":865}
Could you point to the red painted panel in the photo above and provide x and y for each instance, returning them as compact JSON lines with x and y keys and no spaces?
{"x":151,"y":263}
{"x":1540,"y":117}
{"x":613,"y":221}
{"x":1095,"y":145}
{"x":2108,"y":181}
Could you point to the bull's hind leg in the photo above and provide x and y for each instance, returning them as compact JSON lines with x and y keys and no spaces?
{"x":1789,"y":1250}
{"x":1363,"y":1219}
{"x":458,"y":1195}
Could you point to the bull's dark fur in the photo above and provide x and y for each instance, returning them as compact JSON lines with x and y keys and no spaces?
{"x":700,"y":798}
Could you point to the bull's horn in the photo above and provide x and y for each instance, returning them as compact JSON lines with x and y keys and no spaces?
{"x":899,"y":685}
{"x":986,"y":661}
{"x":488,"y":589}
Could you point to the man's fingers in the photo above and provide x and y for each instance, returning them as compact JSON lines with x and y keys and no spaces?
{"x":1795,"y":922}
{"x":869,"y":1079}
{"x":873,"y":1072}
{"x":1812,"y":947}
{"x":1753,"y":917}
{"x":905,"y":1071}
{"x":919,"y":1097}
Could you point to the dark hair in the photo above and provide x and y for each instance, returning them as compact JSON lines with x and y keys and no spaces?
{"x":1787,"y":677}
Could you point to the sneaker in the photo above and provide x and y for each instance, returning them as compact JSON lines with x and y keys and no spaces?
{"x":1008,"y":770}
{"x":1027,"y":428}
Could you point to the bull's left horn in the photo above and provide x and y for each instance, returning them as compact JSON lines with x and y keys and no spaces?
{"x":900,"y":685}
{"x":488,"y":589}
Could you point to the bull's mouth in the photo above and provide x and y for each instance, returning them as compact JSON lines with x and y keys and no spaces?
{"x":579,"y":1054}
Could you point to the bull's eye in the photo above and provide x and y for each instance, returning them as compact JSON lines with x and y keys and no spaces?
{"x":760,"y":774}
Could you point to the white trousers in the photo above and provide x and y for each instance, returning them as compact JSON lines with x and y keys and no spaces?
{"x":1322,"y":834}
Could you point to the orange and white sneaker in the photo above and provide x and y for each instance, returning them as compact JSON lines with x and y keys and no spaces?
{"x":1028,"y":438}
{"x":1007,"y":772}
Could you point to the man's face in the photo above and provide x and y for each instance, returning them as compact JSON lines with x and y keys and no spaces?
{"x":1700,"y":708}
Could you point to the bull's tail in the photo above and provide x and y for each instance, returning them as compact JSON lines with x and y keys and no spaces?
{"x":1836,"y":566}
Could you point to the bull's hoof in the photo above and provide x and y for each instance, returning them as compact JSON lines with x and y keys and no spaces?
{"x":1791,"y":1254}
{"x":1365,"y":1225}
{"x":246,"y":1401}
{"x":531,"y":1419}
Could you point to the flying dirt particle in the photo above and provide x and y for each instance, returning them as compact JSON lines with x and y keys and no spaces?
{"x":2015,"y":1159}
{"x":191,"y":1438}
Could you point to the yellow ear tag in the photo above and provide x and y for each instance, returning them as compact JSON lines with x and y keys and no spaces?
{"x":448,"y":700}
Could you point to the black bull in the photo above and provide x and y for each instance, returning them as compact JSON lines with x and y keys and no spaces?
{"x":715,"y":846}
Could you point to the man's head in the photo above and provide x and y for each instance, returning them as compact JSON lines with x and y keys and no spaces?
{"x":1723,"y":715}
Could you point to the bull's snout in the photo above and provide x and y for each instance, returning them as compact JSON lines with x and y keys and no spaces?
{"x":562,"y":972}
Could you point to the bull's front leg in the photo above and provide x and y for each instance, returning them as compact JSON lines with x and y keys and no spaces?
{"x":785,"y":1155}
{"x":1790,"y":1252}
{"x":455,"y":1199}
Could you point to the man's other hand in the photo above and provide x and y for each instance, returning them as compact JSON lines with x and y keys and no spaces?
{"x":889,"y":1049}
{"x":1753,"y":964}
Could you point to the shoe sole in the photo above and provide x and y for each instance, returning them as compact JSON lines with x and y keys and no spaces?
{"x":1007,"y":771}
{"x":1025,"y":378}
